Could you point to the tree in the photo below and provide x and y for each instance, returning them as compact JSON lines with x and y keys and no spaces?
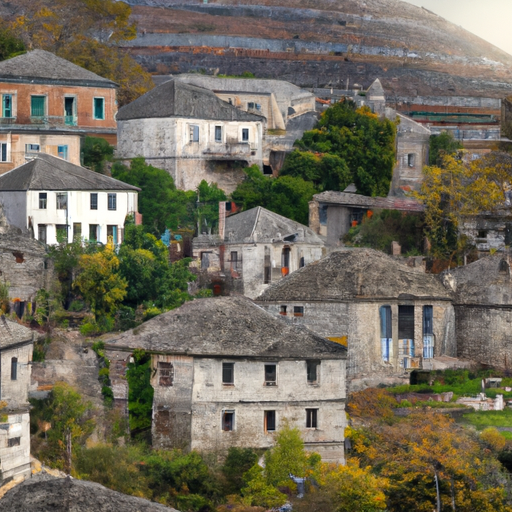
{"x":162,"y":205}
{"x":442,"y":145}
{"x":100,"y":284}
{"x":208,"y":197}
{"x":96,"y":152}
{"x":455,"y":191}
{"x":286,"y":195}
{"x":347,"y":145}
{"x":140,"y":392}
{"x":10,"y":45}
{"x":88,"y":33}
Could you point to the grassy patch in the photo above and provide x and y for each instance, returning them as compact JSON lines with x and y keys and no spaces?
{"x":484,"y":419}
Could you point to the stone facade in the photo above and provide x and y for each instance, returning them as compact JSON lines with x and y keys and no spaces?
{"x":48,"y":105}
{"x":16,"y":345}
{"x":259,"y":247}
{"x":346,"y":297}
{"x":225,"y":373}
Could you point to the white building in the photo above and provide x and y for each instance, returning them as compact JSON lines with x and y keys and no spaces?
{"x":192,"y":134}
{"x":16,"y":346}
{"x":59,"y":201}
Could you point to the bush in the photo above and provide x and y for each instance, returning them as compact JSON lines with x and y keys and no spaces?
{"x":238,"y":462}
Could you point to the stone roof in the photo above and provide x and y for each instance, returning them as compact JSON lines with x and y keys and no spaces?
{"x":261,"y":225}
{"x":376,"y":91}
{"x":179,"y":99}
{"x":47,"y":172}
{"x":358,"y":274}
{"x":40,"y":66}
{"x":226,"y":327}
{"x":377,"y":203}
{"x":486,"y":281}
{"x":12,"y":333}
{"x":44,"y":493}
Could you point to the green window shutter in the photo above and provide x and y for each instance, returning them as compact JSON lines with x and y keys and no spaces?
{"x":37,"y":106}
{"x":7,"y":105}
{"x":99,"y":111}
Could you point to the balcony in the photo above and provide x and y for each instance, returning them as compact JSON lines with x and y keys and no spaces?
{"x":230,"y":150}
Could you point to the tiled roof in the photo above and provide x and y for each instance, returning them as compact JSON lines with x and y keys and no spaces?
{"x":44,"y":66}
{"x":178,"y":99}
{"x":12,"y":333}
{"x":227,"y":327}
{"x":377,"y":203}
{"x":47,"y":172}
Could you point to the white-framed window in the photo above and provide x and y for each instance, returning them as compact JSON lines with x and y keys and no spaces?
{"x":7,"y":108}
{"x":4,"y":152}
{"x":94,"y":201}
{"x":112,"y":201}
{"x":245,"y":134}
{"x":62,"y":200}
{"x":70,"y":110}
{"x":43,"y":200}
{"x":32,"y":148}
{"x":218,"y":134}
{"x":99,"y":108}
{"x":271,"y":374}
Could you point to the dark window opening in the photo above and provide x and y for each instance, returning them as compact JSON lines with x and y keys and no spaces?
{"x":228,"y":421}
{"x":234,"y":260}
{"x":482,"y":233}
{"x":411,"y":159}
{"x":405,"y":322}
{"x":3,"y":152}
{"x":285,"y":261}
{"x":269,"y":421}
{"x":282,"y":310}
{"x":504,"y":266}
{"x":302,"y":263}
{"x":43,"y":200}
{"x":77,"y":230}
{"x":69,"y":111}
{"x":14,"y":368}
{"x":267,"y":169}
{"x":166,"y":374}
{"x":18,"y":256}
{"x":93,"y":232}
{"x":13,"y":441}
{"x":313,"y":368}
{"x":322,"y":214}
{"x":270,"y":375}
{"x":99,"y":108}
{"x":205,"y":259}
{"x":245,"y":134}
{"x":41,"y":233}
{"x":298,"y":310}
{"x":218,"y":134}
{"x":62,"y":200}
{"x":228,"y":374}
{"x":311,"y":418}
{"x":94,"y":201}
{"x":267,"y":273}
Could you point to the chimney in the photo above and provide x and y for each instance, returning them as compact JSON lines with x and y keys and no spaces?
{"x":222,"y":219}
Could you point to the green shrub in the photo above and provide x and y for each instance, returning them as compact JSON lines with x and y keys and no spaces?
{"x":238,"y":462}
{"x":76,"y":306}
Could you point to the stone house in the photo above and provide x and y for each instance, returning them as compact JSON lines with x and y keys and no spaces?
{"x":192,"y":134}
{"x":56,"y":200}
{"x":16,"y":345}
{"x":332,"y":214}
{"x":226,"y":373}
{"x":254,"y":249}
{"x":483,"y":310}
{"x":48,"y":105}
{"x":392,"y":318}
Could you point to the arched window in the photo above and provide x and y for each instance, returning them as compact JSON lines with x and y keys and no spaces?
{"x":14,"y":368}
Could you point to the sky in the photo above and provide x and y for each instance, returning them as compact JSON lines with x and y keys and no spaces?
{"x":489,"y":19}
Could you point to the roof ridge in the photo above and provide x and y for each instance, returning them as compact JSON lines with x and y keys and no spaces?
{"x":256,"y":221}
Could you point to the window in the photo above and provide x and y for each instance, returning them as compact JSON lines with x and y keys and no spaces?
{"x":62,"y":200}
{"x":205,"y":259}
{"x":267,"y":270}
{"x":99,"y":108}
{"x":13,"y":441}
{"x":69,"y":111}
{"x":251,"y":105}
{"x":245,"y":134}
{"x":94,"y":201}
{"x":406,"y":334}
{"x":62,"y":233}
{"x":228,"y":374}
{"x":43,"y":197}
{"x":37,"y":106}
{"x":411,"y":159}
{"x":282,"y":310}
{"x":311,"y":418}
{"x":234,"y":260}
{"x":313,"y":370}
{"x":218,"y":134}
{"x":32,"y":148}
{"x":62,"y":152}
{"x":386,"y":332}
{"x":165,"y":374}
{"x":322,"y":213}
{"x":4,"y":153}
{"x":428,"y":332}
{"x":270,"y":375}
{"x":112,"y":232}
{"x":93,"y":232}
{"x":228,"y":421}
{"x":77,"y":230}
{"x":14,"y":368}
{"x":194,"y":133}
{"x":302,"y":262}
{"x":298,"y":310}
{"x":112,"y":201}
{"x":285,"y":261}
{"x":41,"y":233}
{"x":269,"y":421}
{"x":482,"y":233}
{"x":6,"y":105}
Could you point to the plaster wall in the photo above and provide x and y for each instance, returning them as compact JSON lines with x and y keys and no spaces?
{"x":14,"y":205}
{"x":15,"y":460}
{"x":15,"y":392}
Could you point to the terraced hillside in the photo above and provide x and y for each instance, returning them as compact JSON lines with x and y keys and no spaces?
{"x":321,"y":43}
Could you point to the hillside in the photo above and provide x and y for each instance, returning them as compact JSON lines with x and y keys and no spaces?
{"x":321,"y":43}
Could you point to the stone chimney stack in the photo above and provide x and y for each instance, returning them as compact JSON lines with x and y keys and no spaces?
{"x":222,"y":219}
